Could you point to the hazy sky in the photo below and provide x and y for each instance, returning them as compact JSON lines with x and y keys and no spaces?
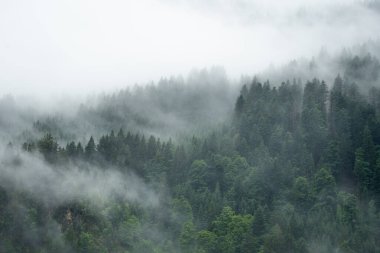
{"x":77,"y":46}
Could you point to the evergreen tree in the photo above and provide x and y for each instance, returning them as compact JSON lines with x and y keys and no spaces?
{"x":90,"y":148}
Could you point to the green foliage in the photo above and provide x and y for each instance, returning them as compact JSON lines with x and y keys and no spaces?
{"x":301,"y":193}
{"x":198,"y":174}
{"x":362,"y":170}
{"x":231,"y":230}
{"x":208,"y":241}
{"x":324,"y":181}
{"x":90,"y":148}
{"x":48,"y":147}
{"x":297,"y":170}
{"x":188,"y":237}
{"x":347,"y":211}
{"x":276,"y":241}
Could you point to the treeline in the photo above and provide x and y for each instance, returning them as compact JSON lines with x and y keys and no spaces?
{"x":296,"y":170}
{"x":121,"y":150}
{"x":170,"y":108}
{"x":313,"y":128}
{"x":359,"y":64}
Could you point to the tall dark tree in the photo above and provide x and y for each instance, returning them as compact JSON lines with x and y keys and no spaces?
{"x":90,"y":148}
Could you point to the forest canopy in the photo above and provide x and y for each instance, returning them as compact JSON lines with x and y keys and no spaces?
{"x":166,"y":126}
{"x":294,"y":167}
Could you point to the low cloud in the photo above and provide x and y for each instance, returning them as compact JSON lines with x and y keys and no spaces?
{"x":104,"y":46}
{"x":55,"y":185}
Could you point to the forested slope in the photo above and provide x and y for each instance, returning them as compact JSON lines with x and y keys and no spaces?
{"x":171,"y":107}
{"x":296,"y":169}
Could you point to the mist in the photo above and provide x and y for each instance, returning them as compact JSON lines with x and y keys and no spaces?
{"x":61,"y":193}
{"x":73,"y":47}
{"x":190,"y":126}
{"x":56,"y":185}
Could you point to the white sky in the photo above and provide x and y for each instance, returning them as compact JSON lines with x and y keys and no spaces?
{"x":78,"y":46}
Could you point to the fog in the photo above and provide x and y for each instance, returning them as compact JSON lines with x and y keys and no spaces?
{"x":189,"y":125}
{"x":57,"y":185}
{"x":81,"y":47}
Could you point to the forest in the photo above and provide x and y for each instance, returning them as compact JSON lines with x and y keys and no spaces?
{"x":189,"y":126}
{"x":176,"y":167}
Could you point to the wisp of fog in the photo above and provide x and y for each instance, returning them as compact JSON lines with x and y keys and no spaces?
{"x":55,"y":185}
{"x":76,"y":46}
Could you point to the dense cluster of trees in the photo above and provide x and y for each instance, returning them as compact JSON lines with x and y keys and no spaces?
{"x":296,"y":170}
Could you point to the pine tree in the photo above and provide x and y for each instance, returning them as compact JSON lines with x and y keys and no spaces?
{"x":362,"y":171}
{"x":90,"y":148}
